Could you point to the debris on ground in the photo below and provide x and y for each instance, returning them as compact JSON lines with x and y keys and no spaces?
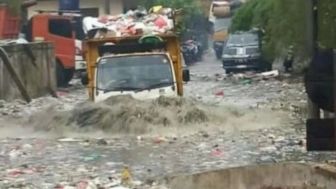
{"x":220,"y":93}
{"x":257,"y":122}
{"x":274,"y":73}
{"x":248,"y":77}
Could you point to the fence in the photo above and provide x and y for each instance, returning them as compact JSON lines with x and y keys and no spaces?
{"x":29,"y":73}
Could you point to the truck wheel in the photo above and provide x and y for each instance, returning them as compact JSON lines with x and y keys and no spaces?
{"x":60,"y":74}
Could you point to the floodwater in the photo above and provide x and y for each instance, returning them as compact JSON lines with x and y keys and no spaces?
{"x":222,"y":122}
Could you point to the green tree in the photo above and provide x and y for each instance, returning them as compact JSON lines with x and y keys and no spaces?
{"x":190,"y":9}
{"x":242,"y":21}
{"x":327,"y":23}
{"x":284,"y":22}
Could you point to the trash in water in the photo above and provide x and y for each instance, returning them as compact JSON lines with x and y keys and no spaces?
{"x":246,"y":81}
{"x":220,"y":93}
{"x":126,"y":177}
{"x":69,"y":140}
{"x":92,"y":157}
{"x":159,"y":140}
{"x":274,"y":73}
{"x":217,"y":153}
{"x":102,"y":142}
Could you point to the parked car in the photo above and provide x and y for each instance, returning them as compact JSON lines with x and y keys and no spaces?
{"x":242,"y":52}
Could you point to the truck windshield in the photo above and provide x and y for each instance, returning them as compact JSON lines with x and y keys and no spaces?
{"x":132,"y":73}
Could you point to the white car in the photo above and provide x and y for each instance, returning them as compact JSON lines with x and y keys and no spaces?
{"x":80,"y":64}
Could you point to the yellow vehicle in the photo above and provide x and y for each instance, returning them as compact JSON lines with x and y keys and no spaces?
{"x":144,"y":67}
{"x":220,"y":35}
{"x":220,"y":18}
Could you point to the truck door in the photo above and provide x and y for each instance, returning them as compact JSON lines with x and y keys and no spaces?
{"x":61,"y":33}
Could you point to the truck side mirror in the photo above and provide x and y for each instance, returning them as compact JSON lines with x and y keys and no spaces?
{"x":186,"y":75}
{"x":84,"y":78}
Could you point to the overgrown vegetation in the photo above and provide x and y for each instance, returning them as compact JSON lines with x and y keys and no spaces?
{"x":284,"y":24}
{"x":191,"y":11}
{"x":327,"y":23}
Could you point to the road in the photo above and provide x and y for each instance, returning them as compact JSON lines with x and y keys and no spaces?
{"x":249,"y":122}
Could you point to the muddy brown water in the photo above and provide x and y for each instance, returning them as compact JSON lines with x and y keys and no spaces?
{"x":271,"y":176}
{"x":126,"y":115}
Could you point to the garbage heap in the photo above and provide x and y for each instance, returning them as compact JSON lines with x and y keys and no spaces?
{"x":158,"y":20}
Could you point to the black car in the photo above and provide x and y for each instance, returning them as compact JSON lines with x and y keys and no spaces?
{"x":242,"y":52}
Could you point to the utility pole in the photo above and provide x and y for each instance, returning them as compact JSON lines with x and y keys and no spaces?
{"x":312,"y":45}
{"x":24,"y":12}
{"x":107,"y":5}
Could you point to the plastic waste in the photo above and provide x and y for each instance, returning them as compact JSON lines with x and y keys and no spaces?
{"x":126,"y":177}
{"x":156,"y":9}
{"x":137,"y":22}
{"x":217,"y":153}
{"x":220,"y":93}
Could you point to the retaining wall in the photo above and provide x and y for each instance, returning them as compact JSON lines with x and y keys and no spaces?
{"x":34,"y":64}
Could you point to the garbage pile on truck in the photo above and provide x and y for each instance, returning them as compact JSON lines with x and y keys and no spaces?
{"x":158,"y":20}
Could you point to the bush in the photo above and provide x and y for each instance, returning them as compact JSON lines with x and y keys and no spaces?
{"x":191,"y":11}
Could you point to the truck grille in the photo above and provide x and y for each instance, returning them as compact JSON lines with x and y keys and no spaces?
{"x":252,"y":50}
{"x":231,"y":51}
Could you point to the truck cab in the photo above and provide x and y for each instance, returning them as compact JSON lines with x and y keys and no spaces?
{"x":57,"y":29}
{"x":125,"y":66}
{"x":141,"y":75}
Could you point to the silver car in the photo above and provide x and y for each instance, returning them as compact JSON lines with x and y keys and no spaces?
{"x":242,"y":52}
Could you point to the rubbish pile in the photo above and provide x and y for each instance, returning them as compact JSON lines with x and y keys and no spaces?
{"x":157,"y":20}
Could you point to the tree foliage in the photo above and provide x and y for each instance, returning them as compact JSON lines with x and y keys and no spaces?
{"x":327,"y":23}
{"x":190,"y":9}
{"x":284,"y":23}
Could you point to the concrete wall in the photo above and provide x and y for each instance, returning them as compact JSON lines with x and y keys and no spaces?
{"x":270,"y":176}
{"x":116,"y":6}
{"x":38,"y":80}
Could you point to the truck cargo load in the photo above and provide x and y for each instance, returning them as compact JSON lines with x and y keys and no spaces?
{"x":138,"y":22}
{"x":134,"y":54}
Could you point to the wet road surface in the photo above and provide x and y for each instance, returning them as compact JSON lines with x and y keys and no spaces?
{"x":46,"y":162}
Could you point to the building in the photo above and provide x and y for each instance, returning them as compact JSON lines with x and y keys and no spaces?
{"x":88,"y":7}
